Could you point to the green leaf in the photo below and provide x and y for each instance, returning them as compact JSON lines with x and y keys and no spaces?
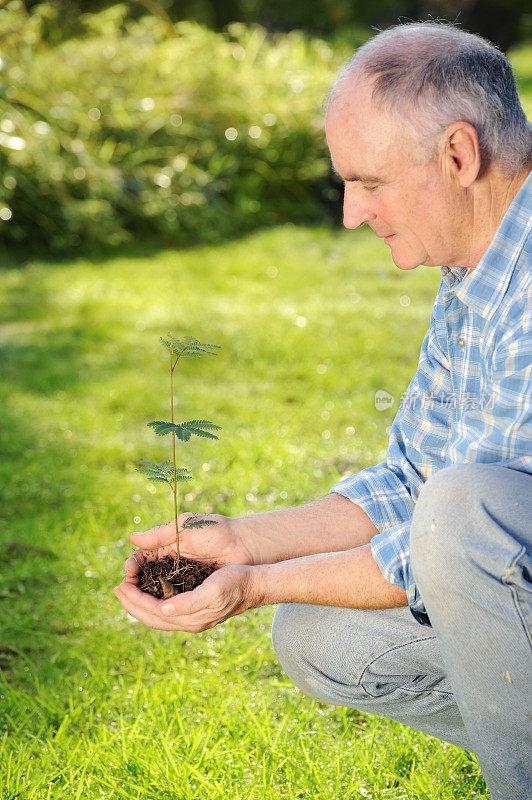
{"x":201,"y":427}
{"x":182,"y":477}
{"x":163,"y":472}
{"x":184,"y":430}
{"x":161,"y":427}
{"x":199,"y":523}
{"x":189,"y":347}
{"x":151,"y":466}
{"x":196,"y":354}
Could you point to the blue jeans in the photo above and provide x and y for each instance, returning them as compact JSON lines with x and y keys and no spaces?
{"x":468,"y":678}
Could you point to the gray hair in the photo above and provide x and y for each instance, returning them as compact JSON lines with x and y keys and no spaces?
{"x":432,"y":74}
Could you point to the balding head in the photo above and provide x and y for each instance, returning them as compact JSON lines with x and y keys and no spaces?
{"x":430,"y":75}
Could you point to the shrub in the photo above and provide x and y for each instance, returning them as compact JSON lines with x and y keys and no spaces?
{"x":141,"y":129}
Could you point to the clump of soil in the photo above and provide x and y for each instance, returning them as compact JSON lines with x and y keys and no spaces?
{"x":163,"y":579}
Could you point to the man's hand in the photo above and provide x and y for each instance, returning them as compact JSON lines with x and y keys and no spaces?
{"x":218,"y":544}
{"x":226,"y":592}
{"x":328,"y":524}
{"x":265,"y":558}
{"x":348,"y":579}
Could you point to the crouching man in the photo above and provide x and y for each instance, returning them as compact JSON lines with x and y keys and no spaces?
{"x":407,"y":590}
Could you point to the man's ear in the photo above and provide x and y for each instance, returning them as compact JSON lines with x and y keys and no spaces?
{"x":460,"y":154}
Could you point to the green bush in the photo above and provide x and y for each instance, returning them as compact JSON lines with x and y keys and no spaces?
{"x":143,"y":129}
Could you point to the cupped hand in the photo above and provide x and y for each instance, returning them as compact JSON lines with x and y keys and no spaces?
{"x":218,"y":544}
{"x":227,"y":592}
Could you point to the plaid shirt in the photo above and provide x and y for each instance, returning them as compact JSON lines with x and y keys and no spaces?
{"x":470,"y":399}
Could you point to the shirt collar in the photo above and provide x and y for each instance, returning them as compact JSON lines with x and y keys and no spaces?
{"x":453,"y":275}
{"x":484,"y":287}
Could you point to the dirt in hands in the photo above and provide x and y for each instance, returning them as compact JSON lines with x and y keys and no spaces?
{"x":163,"y":579}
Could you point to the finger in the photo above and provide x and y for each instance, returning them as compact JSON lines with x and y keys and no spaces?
{"x":187,"y":603}
{"x":178,"y":609}
{"x":133,"y":564}
{"x":146,"y":618}
{"x":156,"y":537}
{"x":130,"y":602}
{"x":141,"y":600}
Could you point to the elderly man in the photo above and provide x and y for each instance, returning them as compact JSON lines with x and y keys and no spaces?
{"x":407,"y":590}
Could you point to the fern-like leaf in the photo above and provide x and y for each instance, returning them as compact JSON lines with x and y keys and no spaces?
{"x":163,"y":472}
{"x":183,"y":477}
{"x":153,"y":471}
{"x":184,"y":430}
{"x":202,"y":423}
{"x":200,"y":427}
{"x":192,"y":522}
{"x":161,"y":428}
{"x":189,"y":347}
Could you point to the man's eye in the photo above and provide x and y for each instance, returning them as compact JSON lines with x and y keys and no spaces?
{"x":371,"y":186}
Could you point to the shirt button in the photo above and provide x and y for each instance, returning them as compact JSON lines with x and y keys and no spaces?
{"x":461,"y":342}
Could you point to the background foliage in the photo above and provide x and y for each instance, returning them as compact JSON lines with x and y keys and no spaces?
{"x":120,"y":124}
{"x":504,"y":22}
{"x":129,"y":130}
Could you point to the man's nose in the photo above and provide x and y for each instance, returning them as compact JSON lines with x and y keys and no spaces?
{"x":357,"y":208}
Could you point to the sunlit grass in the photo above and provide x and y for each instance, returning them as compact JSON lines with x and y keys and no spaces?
{"x":93,"y":705}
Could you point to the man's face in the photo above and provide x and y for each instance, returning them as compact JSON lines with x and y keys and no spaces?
{"x":406,"y":202}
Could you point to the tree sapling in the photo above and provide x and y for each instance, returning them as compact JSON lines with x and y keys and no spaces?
{"x":172,"y":575}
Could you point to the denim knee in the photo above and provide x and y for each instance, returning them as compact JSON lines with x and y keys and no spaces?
{"x":353,"y":657}
{"x":313,"y":658}
{"x":458,"y":531}
{"x":444,"y":512}
{"x":294,"y":641}
{"x":457,"y":489}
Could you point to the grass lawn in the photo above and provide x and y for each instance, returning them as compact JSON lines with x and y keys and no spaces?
{"x":312,"y":322}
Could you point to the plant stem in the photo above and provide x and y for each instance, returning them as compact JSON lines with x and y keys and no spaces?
{"x":173,"y":449}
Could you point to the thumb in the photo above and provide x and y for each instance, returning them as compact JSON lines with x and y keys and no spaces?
{"x":155,"y":537}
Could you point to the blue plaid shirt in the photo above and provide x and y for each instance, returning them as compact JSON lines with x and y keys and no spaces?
{"x":470,"y":399}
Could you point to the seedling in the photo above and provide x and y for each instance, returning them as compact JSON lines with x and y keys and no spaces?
{"x":169,"y":576}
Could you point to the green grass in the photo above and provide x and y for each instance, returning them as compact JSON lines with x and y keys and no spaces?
{"x":94,"y":705}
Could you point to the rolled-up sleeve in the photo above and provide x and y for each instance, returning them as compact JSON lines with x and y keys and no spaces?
{"x":417,"y":448}
{"x":382,"y":494}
